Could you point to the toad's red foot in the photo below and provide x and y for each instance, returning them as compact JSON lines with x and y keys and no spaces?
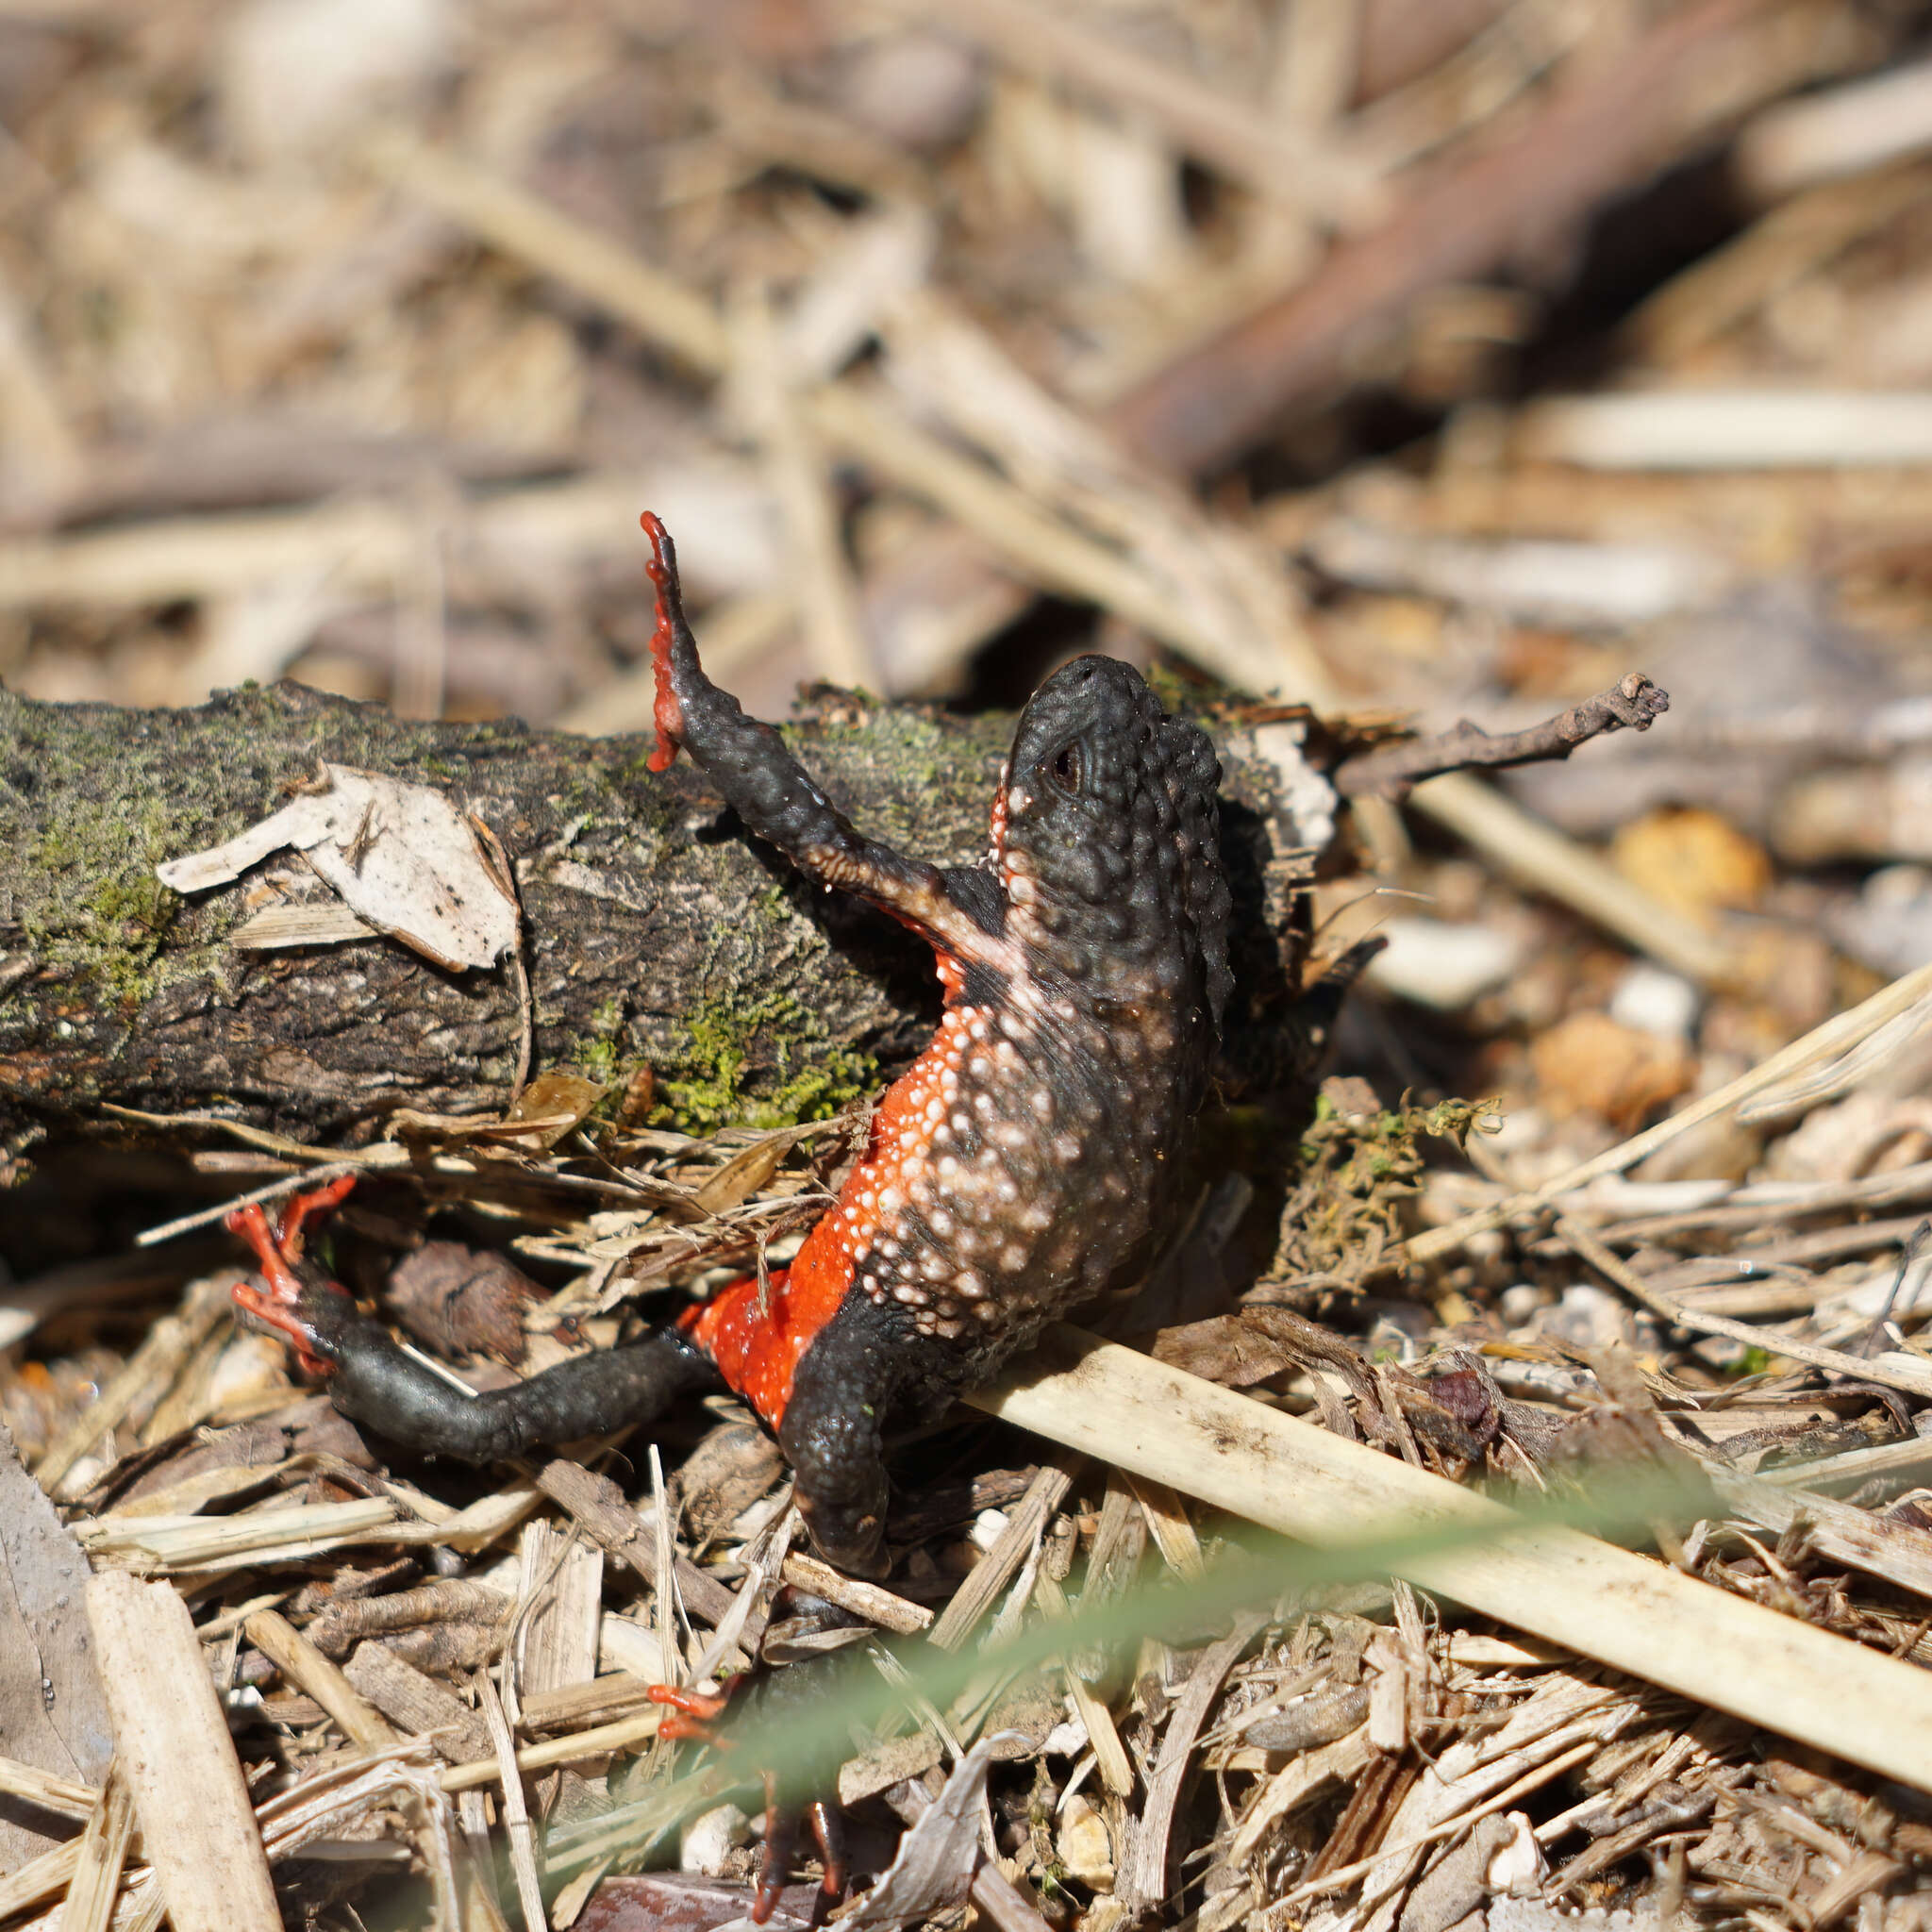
{"x":693,"y":1713}
{"x":668,"y":711}
{"x":289,"y":1236}
{"x":274,"y":1297}
{"x":694,"y":1716}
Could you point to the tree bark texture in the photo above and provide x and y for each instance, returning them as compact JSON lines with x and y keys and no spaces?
{"x":657,"y":932}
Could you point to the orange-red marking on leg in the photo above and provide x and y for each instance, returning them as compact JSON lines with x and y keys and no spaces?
{"x":693,"y":1713}
{"x":668,"y":714}
{"x":757,"y":1340}
{"x":824,"y":1827}
{"x":274,"y":1303}
{"x":251,"y":1223}
{"x":781,"y":1834}
{"x":312,"y":1201}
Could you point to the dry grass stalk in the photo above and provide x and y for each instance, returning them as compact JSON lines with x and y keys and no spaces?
{"x":1529,"y":849}
{"x":1223,"y":131}
{"x":1589,"y":1597}
{"x":102,"y":1852}
{"x":41,"y":1787}
{"x":1740,"y":429}
{"x":516,"y":1814}
{"x":825,"y":598}
{"x":41,"y":1880}
{"x":1835,"y":1036}
{"x":305,"y":1667}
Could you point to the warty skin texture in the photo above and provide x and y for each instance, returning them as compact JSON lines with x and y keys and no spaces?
{"x":1030,"y":1149}
{"x":1034,"y":1145}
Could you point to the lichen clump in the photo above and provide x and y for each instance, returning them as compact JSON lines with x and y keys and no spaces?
{"x":714,"y":1087}
{"x":1361,"y":1167}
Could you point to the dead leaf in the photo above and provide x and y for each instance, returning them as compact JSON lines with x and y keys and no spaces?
{"x":744,"y":1174}
{"x":550,"y":1106}
{"x":326,"y":923}
{"x":1692,"y":859}
{"x":937,"y":1858}
{"x":51,"y":1710}
{"x":403,"y":858}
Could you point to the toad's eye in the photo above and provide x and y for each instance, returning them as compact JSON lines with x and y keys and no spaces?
{"x":1066,"y":768}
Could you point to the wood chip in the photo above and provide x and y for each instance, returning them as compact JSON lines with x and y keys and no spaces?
{"x":196,"y":1822}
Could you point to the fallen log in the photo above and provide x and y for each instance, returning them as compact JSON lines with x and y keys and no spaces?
{"x":656,"y":934}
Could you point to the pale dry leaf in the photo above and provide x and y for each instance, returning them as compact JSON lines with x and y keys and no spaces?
{"x":404,"y":858}
{"x":937,"y":1858}
{"x":51,"y":1710}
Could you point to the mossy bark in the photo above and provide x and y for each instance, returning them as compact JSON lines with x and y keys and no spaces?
{"x":657,"y":933}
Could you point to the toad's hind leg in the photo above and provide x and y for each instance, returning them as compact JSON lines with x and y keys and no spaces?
{"x":778,"y":798}
{"x":833,"y":1433}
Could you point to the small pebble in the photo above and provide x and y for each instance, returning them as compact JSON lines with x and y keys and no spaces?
{"x":1432,"y":964}
{"x":919,"y":91}
{"x":706,"y":1844}
{"x":1587,"y":1317}
{"x":1083,"y":1846}
{"x":1518,"y":1305}
{"x":1654,"y":1001}
{"x":296,"y":76}
{"x":1889,"y":925}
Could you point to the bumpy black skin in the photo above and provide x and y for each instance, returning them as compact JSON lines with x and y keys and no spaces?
{"x":372,"y":1380}
{"x":1035,"y":1144}
{"x":1031,"y":1149}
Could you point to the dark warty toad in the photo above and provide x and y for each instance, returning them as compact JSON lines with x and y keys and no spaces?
{"x":1028,"y":1152}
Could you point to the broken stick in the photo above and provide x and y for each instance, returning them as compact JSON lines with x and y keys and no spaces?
{"x":1393,"y":770}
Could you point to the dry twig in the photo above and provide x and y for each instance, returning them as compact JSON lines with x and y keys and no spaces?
{"x":1390,"y":771}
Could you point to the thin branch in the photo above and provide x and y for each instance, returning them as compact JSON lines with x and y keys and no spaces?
{"x":1390,"y":771}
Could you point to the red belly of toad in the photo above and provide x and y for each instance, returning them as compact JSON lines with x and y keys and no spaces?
{"x":757,"y":1336}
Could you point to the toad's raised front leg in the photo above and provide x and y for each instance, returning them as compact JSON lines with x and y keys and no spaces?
{"x":956,"y":909}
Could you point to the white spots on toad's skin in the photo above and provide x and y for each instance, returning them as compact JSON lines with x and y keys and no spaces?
{"x":1017,"y":1157}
